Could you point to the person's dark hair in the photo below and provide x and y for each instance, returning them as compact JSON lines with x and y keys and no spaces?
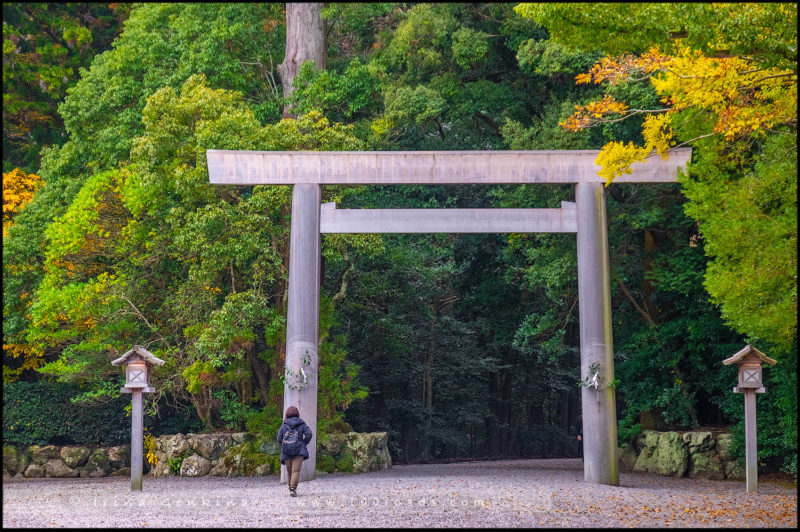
{"x":292,"y":412}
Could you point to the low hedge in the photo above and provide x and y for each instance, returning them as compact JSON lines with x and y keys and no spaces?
{"x":40,"y":413}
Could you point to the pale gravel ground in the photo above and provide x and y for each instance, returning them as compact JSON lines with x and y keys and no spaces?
{"x":509,"y":493}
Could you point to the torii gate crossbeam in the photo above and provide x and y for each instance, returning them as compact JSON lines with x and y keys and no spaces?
{"x":307,"y":171}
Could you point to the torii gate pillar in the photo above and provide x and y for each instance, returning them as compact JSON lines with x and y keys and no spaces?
{"x":302,"y":316}
{"x":594,"y":312}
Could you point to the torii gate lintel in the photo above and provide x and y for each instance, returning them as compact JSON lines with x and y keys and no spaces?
{"x":586,"y":217}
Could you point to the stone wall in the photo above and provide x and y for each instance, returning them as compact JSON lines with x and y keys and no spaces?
{"x":66,"y":462}
{"x":195,"y":455}
{"x":692,"y":454}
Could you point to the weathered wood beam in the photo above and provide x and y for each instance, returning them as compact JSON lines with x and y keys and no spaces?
{"x":230,"y":167}
{"x":563,"y":220}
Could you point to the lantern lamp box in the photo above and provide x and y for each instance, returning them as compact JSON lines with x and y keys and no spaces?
{"x":749,"y":360}
{"x":137,"y":364}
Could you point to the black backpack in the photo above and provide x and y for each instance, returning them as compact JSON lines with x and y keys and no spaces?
{"x":291,"y":442}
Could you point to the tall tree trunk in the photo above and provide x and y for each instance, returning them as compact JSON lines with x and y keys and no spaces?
{"x":647,"y":286}
{"x":305,"y":41}
{"x":261,"y":372}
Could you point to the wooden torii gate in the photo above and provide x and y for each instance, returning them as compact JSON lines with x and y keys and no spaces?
{"x":586,"y":217}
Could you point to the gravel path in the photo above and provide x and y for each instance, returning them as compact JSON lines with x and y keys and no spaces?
{"x":509,"y":493}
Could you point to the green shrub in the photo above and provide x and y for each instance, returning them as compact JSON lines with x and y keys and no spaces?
{"x":264,"y":422}
{"x":345,"y":461}
{"x":275,"y":465}
{"x":233,"y":413}
{"x":172,"y":421}
{"x":326,"y":463}
{"x":175,"y":464}
{"x":628,"y":429}
{"x":40,"y":413}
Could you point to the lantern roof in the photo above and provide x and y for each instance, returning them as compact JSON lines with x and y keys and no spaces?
{"x":130,"y":356}
{"x":749,"y":350}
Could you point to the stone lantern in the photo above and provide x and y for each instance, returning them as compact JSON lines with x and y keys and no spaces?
{"x":137,"y":364}
{"x":750,"y":361}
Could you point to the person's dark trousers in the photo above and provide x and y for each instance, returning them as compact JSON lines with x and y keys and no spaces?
{"x":293,"y":466}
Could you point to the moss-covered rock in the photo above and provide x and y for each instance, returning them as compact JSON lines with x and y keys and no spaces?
{"x":647,"y":443}
{"x":705,"y":465}
{"x":673,"y":457}
{"x":75,"y":457}
{"x":240,"y":437}
{"x":195,"y":466}
{"x":332,"y":443}
{"x":56,"y":468}
{"x":173,"y":445}
{"x":345,"y":461}
{"x":34,"y":471}
{"x":369,"y":450}
{"x":627,"y":457}
{"x":662,"y":452}
{"x":162,"y":465}
{"x":733,"y":470}
{"x":209,"y":446}
{"x":10,"y":459}
{"x":267,"y":445}
{"x":648,"y":438}
{"x":40,"y":455}
{"x":724,"y":444}
{"x":23,"y":460}
{"x":120,"y":456}
{"x":255,"y":464}
{"x":326,"y":463}
{"x":244,"y":459}
{"x":698,"y":442}
{"x":97,"y":465}
{"x":227,"y":464}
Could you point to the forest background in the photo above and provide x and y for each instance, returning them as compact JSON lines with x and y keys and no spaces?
{"x":455,"y":345}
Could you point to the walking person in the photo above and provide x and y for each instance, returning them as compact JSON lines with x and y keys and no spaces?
{"x":293,"y":436}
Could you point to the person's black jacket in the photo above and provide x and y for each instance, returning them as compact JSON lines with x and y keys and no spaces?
{"x":305,"y":435}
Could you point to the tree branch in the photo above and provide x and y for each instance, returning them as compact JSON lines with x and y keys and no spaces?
{"x":641,"y":311}
{"x":346,"y":277}
{"x":569,"y":313}
{"x":694,"y":139}
{"x":491,"y":123}
{"x":439,"y":127}
{"x":138,"y":313}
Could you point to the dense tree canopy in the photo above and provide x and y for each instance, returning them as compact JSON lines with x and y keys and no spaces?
{"x":461,"y":345}
{"x":44,"y":45}
{"x":727,"y":81}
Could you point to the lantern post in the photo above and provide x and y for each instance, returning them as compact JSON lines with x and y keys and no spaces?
{"x":137,"y":364}
{"x":749,"y":361}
